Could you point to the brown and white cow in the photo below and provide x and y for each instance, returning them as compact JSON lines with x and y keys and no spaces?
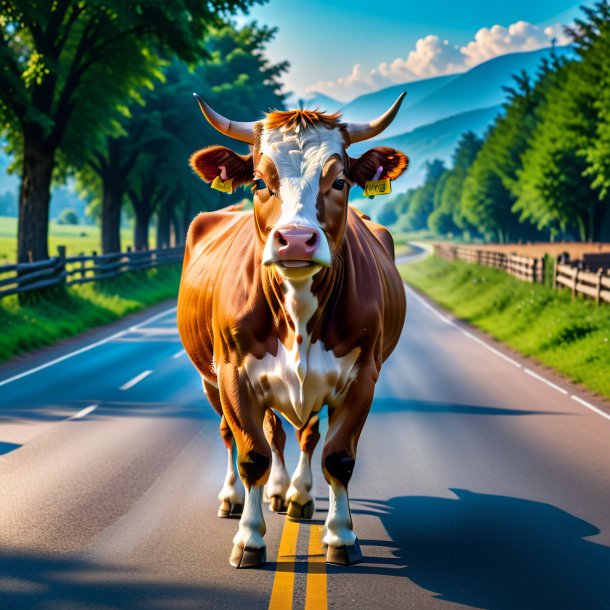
{"x":290,"y":307}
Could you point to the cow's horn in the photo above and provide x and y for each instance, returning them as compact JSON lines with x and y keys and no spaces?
{"x":364,"y":131}
{"x":234,"y":129}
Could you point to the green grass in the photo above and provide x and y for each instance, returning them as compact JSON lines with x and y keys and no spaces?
{"x":76,"y":238}
{"x":68,"y":312}
{"x":573,"y":337}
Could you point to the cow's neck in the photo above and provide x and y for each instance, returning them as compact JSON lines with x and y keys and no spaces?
{"x":300,"y":306}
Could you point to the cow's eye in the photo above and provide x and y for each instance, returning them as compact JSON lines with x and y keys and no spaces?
{"x":338,"y":184}
{"x":260,"y":184}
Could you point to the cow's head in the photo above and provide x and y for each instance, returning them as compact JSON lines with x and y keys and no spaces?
{"x":301,"y":176}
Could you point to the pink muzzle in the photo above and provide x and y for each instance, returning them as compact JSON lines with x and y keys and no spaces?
{"x":296,"y":243}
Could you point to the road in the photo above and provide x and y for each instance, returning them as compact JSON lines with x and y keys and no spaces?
{"x":478,"y":484}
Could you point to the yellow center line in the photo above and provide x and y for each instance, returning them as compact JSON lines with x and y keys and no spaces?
{"x":283,"y":583}
{"x":315,"y":593}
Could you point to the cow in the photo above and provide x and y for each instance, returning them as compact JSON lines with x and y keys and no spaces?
{"x":290,"y":307}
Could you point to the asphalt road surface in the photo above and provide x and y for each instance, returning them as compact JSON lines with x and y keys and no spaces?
{"x":481,"y":482}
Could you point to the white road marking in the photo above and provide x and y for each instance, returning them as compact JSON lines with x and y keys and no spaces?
{"x":86,"y":348}
{"x":555,"y":387}
{"x":588,"y":405}
{"x":541,"y":378}
{"x":84,"y":412}
{"x":182,"y":352}
{"x":135,"y":380}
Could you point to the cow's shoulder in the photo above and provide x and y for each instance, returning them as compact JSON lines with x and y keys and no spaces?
{"x":380,"y":232}
{"x":214,"y":232}
{"x":207,"y":224}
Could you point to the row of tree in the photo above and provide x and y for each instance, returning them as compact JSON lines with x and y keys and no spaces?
{"x":542,"y":171}
{"x":102,"y":90}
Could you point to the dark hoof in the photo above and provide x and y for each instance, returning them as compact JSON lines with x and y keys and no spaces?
{"x":277,"y":504}
{"x":297,"y":511}
{"x":247,"y":558}
{"x":230,"y":510}
{"x":344,"y":555}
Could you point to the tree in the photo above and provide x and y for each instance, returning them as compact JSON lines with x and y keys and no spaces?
{"x":561,"y":185}
{"x":65,"y":76}
{"x":68,"y":217}
{"x":421,"y":200}
{"x":446,"y":217}
{"x":488,"y":194}
{"x":149,"y":161}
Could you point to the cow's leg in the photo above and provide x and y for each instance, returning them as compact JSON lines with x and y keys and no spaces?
{"x":278,"y":482}
{"x":231,"y":495}
{"x":345,"y":422}
{"x":300,"y":500}
{"x":245,"y":418}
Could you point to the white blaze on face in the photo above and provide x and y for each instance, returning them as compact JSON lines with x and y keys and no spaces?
{"x":299,"y":155}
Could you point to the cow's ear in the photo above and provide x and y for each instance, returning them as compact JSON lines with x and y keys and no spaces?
{"x":208,"y":163}
{"x":366,"y":167}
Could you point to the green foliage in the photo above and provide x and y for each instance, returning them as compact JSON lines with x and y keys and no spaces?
{"x":572,"y":337}
{"x":149,"y":162}
{"x":68,"y":217}
{"x":69,"y":71}
{"x":555,"y":189}
{"x":419,"y":202}
{"x":80,"y":308}
{"x":447,"y":217}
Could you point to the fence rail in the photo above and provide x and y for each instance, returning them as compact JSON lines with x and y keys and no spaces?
{"x":62,"y":270}
{"x":522,"y":267}
{"x":594,"y":285}
{"x":577,"y":275}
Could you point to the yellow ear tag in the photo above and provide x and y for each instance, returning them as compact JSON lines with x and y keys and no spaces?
{"x":223,"y":187}
{"x":372,"y":188}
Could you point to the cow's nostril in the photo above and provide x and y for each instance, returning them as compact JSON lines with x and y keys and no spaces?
{"x":312,"y":240}
{"x":281,"y":239}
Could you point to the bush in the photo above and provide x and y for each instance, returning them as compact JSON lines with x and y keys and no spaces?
{"x":68,"y":217}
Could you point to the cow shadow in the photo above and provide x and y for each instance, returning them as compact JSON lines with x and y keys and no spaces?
{"x":489,"y":551}
{"x":37,"y":580}
{"x":396,"y":405}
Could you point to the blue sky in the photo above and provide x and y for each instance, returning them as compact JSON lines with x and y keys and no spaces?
{"x":324,"y":41}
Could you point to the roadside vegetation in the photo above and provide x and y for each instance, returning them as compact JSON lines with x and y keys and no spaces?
{"x":56,"y":315}
{"x":572,"y":337}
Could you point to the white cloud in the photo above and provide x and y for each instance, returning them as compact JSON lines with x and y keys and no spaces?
{"x":433,"y":56}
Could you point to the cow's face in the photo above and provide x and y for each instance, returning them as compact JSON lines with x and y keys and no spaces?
{"x":301,"y":177}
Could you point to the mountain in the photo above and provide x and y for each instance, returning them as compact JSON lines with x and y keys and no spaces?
{"x":318,"y":101}
{"x":431,"y":100}
{"x":434,"y":141}
{"x":368,"y":106}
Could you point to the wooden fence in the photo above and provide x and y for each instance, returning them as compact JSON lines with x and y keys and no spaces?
{"x":522,"y":267}
{"x":579,"y":281}
{"x":62,"y":270}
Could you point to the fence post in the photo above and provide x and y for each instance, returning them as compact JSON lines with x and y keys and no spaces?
{"x":574,"y":282}
{"x":598,"y":287}
{"x":534,"y":271}
{"x":61,"y":267}
{"x":555,"y":272}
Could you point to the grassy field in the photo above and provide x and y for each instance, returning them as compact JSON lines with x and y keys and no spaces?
{"x":573,"y":337}
{"x":79,"y":308}
{"x":77,"y":239}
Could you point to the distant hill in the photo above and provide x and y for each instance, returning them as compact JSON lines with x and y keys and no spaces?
{"x":434,"y":141}
{"x":433,"y":99}
{"x":368,"y":106}
{"x":318,"y":101}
